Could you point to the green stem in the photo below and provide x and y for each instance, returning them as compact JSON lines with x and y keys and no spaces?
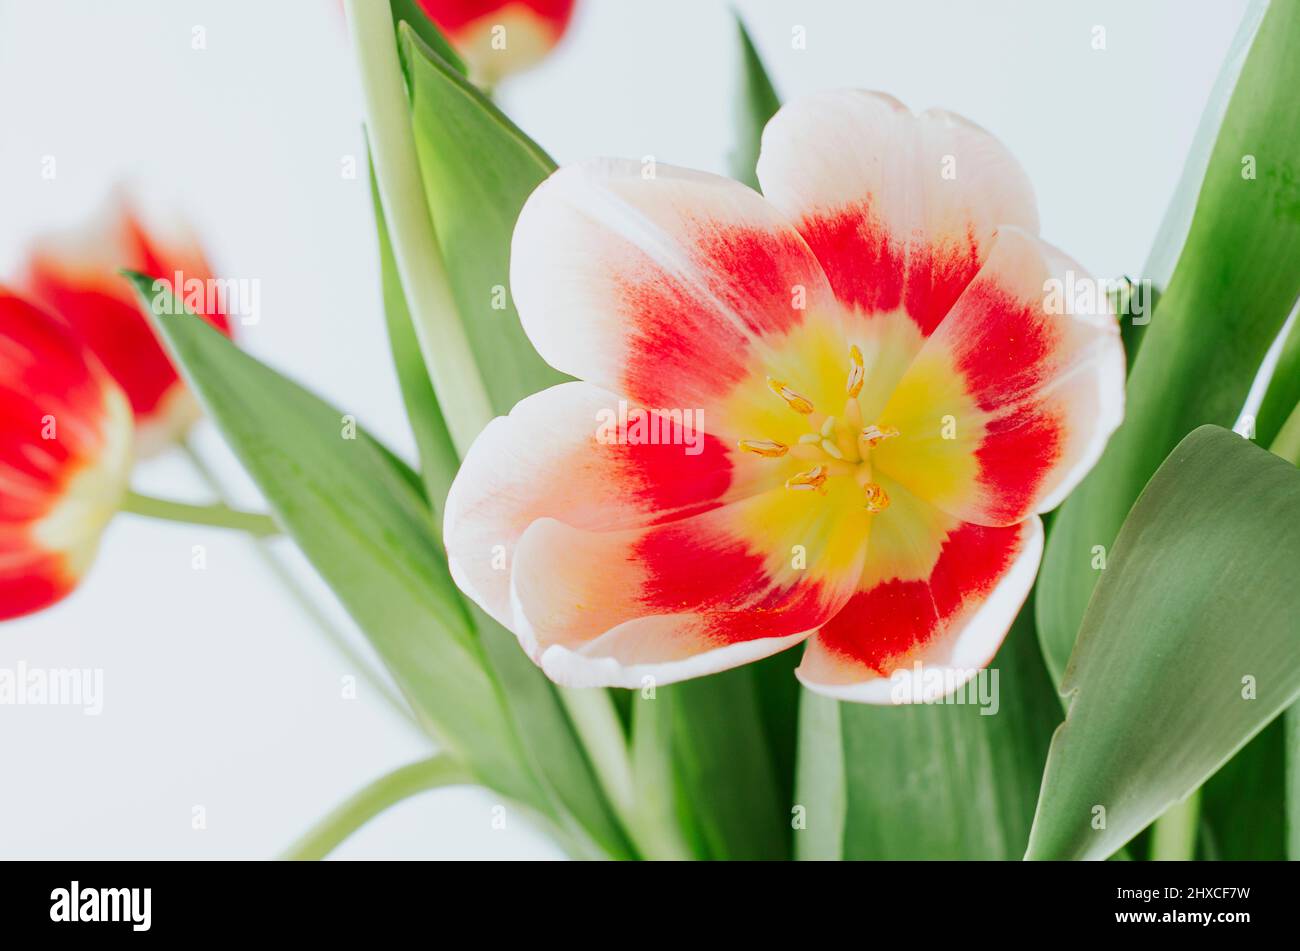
{"x":443,"y":344}
{"x":386,"y":791}
{"x":281,"y":572}
{"x":217,"y":515}
{"x":1173,"y":838}
{"x":598,"y":726}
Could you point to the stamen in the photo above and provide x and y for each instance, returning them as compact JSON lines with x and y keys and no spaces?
{"x":876,"y":497}
{"x":856,"y":372}
{"x":811,"y":438}
{"x":874,"y":434}
{"x":764,"y":447}
{"x":799,"y":404}
{"x":828,"y":427}
{"x":812,"y":480}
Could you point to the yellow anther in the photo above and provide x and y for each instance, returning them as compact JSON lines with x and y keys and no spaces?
{"x":828,"y":427}
{"x":800,"y":404}
{"x":811,"y":438}
{"x":764,"y":447}
{"x":831,"y":449}
{"x":876,"y":498}
{"x":812,"y":480}
{"x":856,"y":372}
{"x":874,"y":434}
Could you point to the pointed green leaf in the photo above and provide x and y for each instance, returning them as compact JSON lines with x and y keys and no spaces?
{"x":1187,"y":650}
{"x":756,"y":104}
{"x":364,"y":527}
{"x":410,"y":13}
{"x":1234,"y":285}
{"x":477,"y":168}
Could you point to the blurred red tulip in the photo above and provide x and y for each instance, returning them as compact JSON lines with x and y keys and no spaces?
{"x":65,"y":456}
{"x":77,"y":278}
{"x":499,"y":37}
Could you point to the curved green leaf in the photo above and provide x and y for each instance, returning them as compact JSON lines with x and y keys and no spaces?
{"x":1187,"y":650}
{"x":363,"y":526}
{"x":1236,"y":281}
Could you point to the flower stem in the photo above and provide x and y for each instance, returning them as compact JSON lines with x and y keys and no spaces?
{"x":386,"y":791}
{"x":217,"y":515}
{"x":1173,"y":838}
{"x":282,"y":573}
{"x":443,"y":344}
{"x":597,"y":724}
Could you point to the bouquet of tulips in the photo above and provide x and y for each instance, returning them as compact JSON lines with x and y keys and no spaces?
{"x":820,"y":511}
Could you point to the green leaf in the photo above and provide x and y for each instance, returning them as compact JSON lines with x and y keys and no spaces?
{"x":718,"y":766}
{"x":478,"y":168}
{"x":756,"y":104}
{"x":1291,"y":733}
{"x":1195,"y":610}
{"x":1235,"y":283}
{"x":409,"y":12}
{"x":364,"y":527}
{"x":438,"y":459}
{"x":550,"y":743}
{"x":1255,"y":775}
{"x":952,"y":781}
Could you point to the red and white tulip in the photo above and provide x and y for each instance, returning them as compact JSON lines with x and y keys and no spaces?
{"x":500,"y":37}
{"x":888,"y":398}
{"x":76,"y":276}
{"x":65,"y":456}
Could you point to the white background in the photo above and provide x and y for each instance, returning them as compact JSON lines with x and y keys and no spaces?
{"x":217,"y":692}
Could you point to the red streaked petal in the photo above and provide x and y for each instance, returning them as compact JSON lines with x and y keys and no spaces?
{"x":672,"y":601}
{"x":951,"y":622}
{"x":658,"y":282}
{"x":77,"y":278}
{"x":1012,"y":399}
{"x":899,"y":208}
{"x":564,"y":453}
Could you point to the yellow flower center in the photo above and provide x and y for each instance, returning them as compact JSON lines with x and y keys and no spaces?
{"x":834,"y":446}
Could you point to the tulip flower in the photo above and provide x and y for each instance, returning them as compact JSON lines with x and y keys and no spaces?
{"x":887,"y":390}
{"x":65,"y":456}
{"x":77,"y":278}
{"x":499,"y":37}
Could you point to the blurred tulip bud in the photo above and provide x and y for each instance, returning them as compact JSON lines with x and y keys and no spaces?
{"x":76,"y":276}
{"x":65,"y":456}
{"x":500,"y":37}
